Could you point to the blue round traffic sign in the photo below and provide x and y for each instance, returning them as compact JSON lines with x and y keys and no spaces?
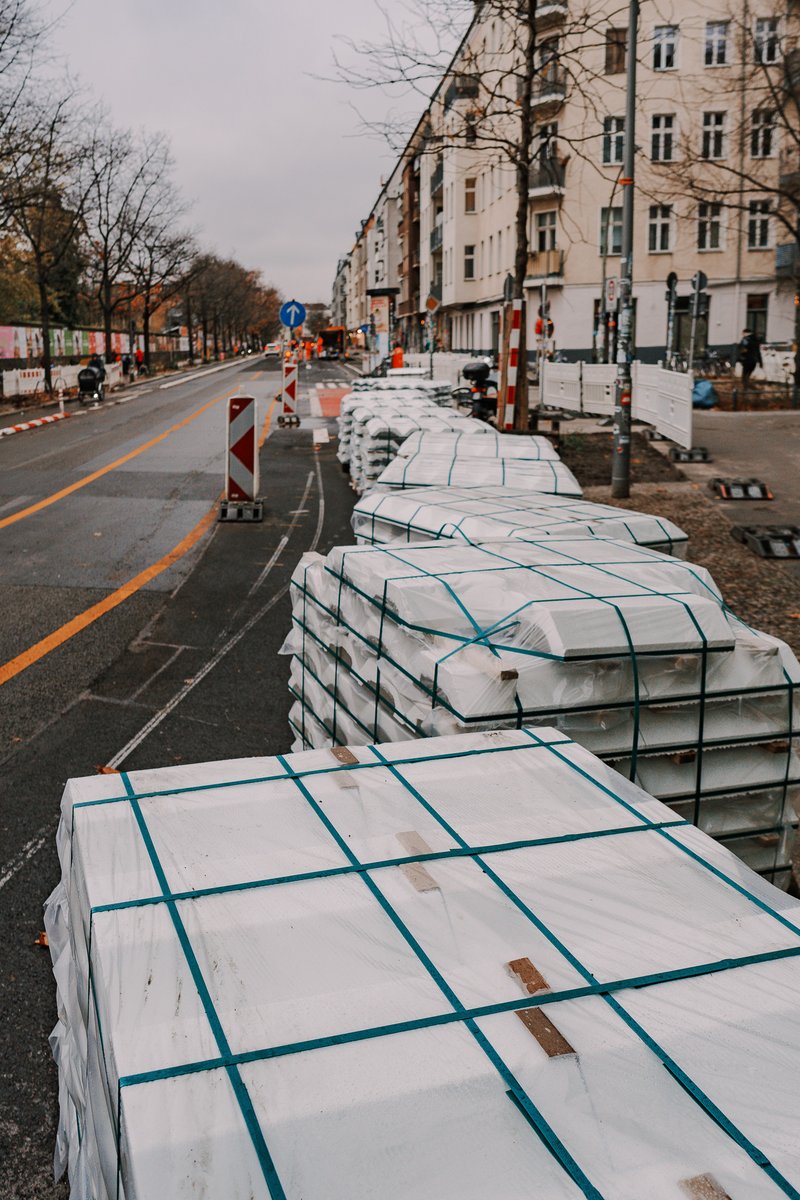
{"x":292,"y":314}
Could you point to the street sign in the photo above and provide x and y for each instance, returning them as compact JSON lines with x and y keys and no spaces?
{"x":700,"y":281}
{"x":292,"y":314}
{"x":431,"y":304}
{"x":363,"y":329}
{"x":611,"y":296}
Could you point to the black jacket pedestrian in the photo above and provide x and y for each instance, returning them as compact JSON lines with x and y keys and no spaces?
{"x":749,"y":353}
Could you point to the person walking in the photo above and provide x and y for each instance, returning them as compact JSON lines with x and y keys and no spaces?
{"x":749,"y":353}
{"x":139,"y":356}
{"x":397,"y":357}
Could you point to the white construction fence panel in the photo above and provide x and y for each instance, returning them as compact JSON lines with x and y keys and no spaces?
{"x":661,"y":398}
{"x":664,"y":399}
{"x":598,"y":388}
{"x":560,"y":386}
{"x":445,"y":366}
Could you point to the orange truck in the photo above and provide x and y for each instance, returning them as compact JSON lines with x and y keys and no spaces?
{"x":333,"y":342}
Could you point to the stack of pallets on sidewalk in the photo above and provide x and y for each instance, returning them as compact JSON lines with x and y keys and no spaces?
{"x":631,"y":652}
{"x":484,"y":966}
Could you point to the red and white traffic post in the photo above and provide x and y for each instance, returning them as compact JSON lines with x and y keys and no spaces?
{"x":241,"y":468}
{"x":288,"y":414}
{"x":513,"y":364}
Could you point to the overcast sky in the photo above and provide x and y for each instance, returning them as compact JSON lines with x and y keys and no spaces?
{"x":271,"y":156}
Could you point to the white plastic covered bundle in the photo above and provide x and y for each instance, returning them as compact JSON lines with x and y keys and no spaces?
{"x":376,"y":437}
{"x":469,"y":967}
{"x":439,"y":390}
{"x":359,"y":405}
{"x":461,"y":443}
{"x":484,"y":514}
{"x":630,"y":652}
{"x":442,"y":470}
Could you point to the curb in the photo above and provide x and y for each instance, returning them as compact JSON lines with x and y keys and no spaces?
{"x":34,"y":424}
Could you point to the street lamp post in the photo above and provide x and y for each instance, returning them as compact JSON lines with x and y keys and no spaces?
{"x":621,"y":460}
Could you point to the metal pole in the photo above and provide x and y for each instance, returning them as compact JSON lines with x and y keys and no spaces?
{"x":621,"y":460}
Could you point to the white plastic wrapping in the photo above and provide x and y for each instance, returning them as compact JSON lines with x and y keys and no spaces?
{"x":483,"y":966}
{"x":434,"y":470}
{"x":629,"y":651}
{"x":461,"y":444}
{"x":484,"y":514}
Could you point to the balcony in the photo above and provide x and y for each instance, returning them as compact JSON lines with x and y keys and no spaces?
{"x":787,"y":261}
{"x":546,"y":263}
{"x":549,"y":88}
{"x":550,"y":13}
{"x":463,"y":87}
{"x":546,"y":178}
{"x":437,"y":237}
{"x":437,"y":178}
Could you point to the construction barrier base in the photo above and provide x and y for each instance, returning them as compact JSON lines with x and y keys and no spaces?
{"x":288,"y":420}
{"x":241,"y":510}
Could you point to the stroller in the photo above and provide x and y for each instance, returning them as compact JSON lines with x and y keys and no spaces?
{"x":90,"y":384}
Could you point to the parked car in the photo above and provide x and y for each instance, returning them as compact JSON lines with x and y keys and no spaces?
{"x":272,"y":350}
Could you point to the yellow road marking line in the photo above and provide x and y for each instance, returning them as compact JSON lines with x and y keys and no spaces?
{"x":27,"y":658}
{"x":87,"y":479}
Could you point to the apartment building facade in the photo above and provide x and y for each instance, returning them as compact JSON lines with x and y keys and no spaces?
{"x":717,"y":180}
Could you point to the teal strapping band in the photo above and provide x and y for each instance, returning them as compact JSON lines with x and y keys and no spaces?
{"x":691,"y":1087}
{"x":454,"y":852}
{"x":543,"y":999}
{"x":240,"y":1091}
{"x":548,"y":1134}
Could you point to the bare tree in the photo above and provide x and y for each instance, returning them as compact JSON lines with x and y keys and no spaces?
{"x":486,"y":61}
{"x":129,"y":178}
{"x":44,"y":189}
{"x":22,"y":33}
{"x":160,"y":255}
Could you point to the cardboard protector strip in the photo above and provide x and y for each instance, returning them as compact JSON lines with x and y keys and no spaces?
{"x":704,"y":1187}
{"x":415,"y":873}
{"x":535,"y":1020}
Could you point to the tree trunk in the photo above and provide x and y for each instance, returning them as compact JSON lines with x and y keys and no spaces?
{"x":205,"y":336}
{"x":146,"y":331}
{"x":47,"y":362}
{"x":189,"y":328}
{"x":215,"y":330}
{"x":107,"y":306}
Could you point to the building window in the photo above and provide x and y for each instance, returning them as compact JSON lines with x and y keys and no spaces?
{"x":470,"y":195}
{"x":713,"y":135}
{"x":756,"y":315}
{"x":767,"y":42}
{"x":658,"y":228}
{"x":611,"y":230}
{"x":662,"y":140}
{"x":613,"y":139}
{"x":716,"y":43}
{"x":490,"y":259}
{"x":758,"y":225}
{"x":665,"y":47}
{"x":762,"y":133}
{"x":709,"y":227}
{"x":616,"y":47}
{"x":545,"y":231}
{"x":500,"y":250}
{"x":469,"y":262}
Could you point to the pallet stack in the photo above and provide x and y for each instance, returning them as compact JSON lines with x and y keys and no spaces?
{"x":631,"y":652}
{"x":484,"y":966}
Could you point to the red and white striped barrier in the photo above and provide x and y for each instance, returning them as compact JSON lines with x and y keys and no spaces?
{"x":241,"y":477}
{"x":513,"y":363}
{"x":289,"y":407}
{"x":25,"y":425}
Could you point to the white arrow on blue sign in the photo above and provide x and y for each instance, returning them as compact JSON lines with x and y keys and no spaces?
{"x":292,"y":314}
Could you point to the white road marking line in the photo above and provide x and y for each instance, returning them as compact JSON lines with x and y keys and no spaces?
{"x":23,"y":856}
{"x":200,"y":375}
{"x":16,"y":501}
{"x":234,"y":640}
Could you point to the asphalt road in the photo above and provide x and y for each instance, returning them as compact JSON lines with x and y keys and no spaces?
{"x":183,"y":669}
